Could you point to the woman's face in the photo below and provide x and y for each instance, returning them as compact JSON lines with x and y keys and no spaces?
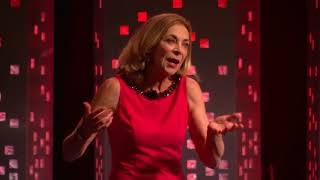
{"x":171,"y":51}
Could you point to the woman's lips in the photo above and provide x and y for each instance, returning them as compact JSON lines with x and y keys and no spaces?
{"x":173,"y":63}
{"x":173,"y":60}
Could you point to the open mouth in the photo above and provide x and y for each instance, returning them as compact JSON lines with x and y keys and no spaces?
{"x":173,"y":60}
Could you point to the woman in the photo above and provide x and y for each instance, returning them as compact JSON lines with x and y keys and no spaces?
{"x":146,"y":108}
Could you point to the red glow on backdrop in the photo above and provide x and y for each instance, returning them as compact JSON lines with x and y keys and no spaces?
{"x":43,"y":16}
{"x":204,"y":43}
{"x":313,"y":115}
{"x":222,"y":70}
{"x":243,"y":29}
{"x":1,"y":42}
{"x":100,"y":4}
{"x":124,"y":30}
{"x":222,"y":3}
{"x":15,"y":3}
{"x":250,"y":70}
{"x":206,"y":96}
{"x":192,"y":70}
{"x":177,"y":4}
{"x":28,"y":157}
{"x":240,"y":63}
{"x":40,"y":77}
{"x":15,"y":69}
{"x":250,"y":16}
{"x":193,"y":36}
{"x":100,"y":167}
{"x":142,"y":16}
{"x":190,"y":144}
{"x":248,"y":85}
{"x":43,"y":36}
{"x":250,"y":36}
{"x":115,"y":64}
{"x":35,"y":29}
{"x":191,"y":164}
{"x":96,"y":40}
{"x":32,"y":63}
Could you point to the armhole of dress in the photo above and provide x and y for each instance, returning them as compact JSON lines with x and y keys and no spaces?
{"x":184,"y":80}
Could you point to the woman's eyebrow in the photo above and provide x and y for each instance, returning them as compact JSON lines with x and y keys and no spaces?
{"x":174,"y":36}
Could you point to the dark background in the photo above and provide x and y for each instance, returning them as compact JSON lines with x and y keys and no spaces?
{"x":283,"y":88}
{"x":73,"y":81}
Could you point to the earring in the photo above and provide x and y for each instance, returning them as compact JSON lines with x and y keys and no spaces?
{"x":144,"y":63}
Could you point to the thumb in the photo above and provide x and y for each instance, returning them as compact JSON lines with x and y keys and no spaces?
{"x":87,"y":108}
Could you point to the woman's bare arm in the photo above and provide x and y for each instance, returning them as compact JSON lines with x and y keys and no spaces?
{"x":97,"y":116}
{"x":207,"y":136}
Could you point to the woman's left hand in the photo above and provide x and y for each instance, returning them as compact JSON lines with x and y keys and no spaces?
{"x":226,"y":123}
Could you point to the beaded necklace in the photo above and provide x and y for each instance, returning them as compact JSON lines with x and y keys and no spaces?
{"x":152,"y":94}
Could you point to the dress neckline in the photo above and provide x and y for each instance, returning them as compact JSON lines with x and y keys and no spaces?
{"x":152,"y":94}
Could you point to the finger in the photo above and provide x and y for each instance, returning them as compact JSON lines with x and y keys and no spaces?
{"x":95,"y":113}
{"x":104,"y":125}
{"x":229,"y":125}
{"x":104,"y":113}
{"x":233,"y":118}
{"x":216,"y":127}
{"x":109,"y":122}
{"x":233,"y":126}
{"x":241,"y":125}
{"x":100,"y":126}
{"x":220,"y":119}
{"x":238,"y":115}
{"x":104,"y":120}
{"x":103,"y":116}
{"x":87,"y":108}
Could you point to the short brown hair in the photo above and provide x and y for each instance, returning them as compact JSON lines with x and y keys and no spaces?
{"x":143,"y":42}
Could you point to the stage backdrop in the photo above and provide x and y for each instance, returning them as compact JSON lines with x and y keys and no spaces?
{"x":313,"y":90}
{"x":225,"y":55}
{"x":26,"y":89}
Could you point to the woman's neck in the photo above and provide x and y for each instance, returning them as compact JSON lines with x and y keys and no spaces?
{"x":156,"y":81}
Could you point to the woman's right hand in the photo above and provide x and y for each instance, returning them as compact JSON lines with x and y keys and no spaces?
{"x":94,"y":121}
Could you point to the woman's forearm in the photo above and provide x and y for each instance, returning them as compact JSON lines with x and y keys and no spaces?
{"x":216,"y":146}
{"x":74,"y":146}
{"x":212,"y":150}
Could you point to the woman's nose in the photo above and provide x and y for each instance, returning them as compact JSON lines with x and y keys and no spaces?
{"x":176,"y":50}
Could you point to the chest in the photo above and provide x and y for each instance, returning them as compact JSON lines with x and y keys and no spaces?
{"x":155,"y":123}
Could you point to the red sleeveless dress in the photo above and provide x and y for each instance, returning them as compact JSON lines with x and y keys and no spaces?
{"x":147,"y":135}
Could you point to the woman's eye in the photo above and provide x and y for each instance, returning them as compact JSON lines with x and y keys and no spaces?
{"x":170,"y":40}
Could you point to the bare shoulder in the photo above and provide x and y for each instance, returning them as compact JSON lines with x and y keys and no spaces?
{"x":107,"y":94}
{"x":111,"y":84}
{"x":194,"y":93}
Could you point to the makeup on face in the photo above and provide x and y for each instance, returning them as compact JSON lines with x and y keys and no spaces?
{"x":172,"y":49}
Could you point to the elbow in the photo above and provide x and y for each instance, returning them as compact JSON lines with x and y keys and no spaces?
{"x":209,"y":157}
{"x":67,"y":159}
{"x":68,"y":152}
{"x":69,"y":156}
{"x":66,"y":155}
{"x":211,"y":162}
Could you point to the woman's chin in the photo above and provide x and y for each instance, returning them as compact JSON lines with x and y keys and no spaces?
{"x":171,"y":72}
